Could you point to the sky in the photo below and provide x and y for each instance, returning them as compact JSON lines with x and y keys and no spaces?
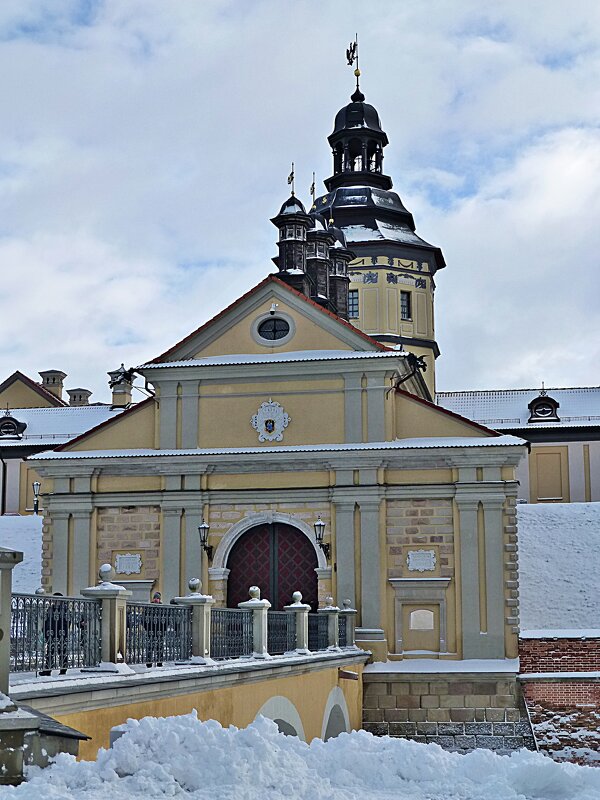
{"x":145,"y":145}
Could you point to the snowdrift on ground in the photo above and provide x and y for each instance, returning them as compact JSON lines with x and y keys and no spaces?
{"x":559,"y":563}
{"x":24,"y":534}
{"x":183,"y":757}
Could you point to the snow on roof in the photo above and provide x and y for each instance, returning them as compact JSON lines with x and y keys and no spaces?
{"x":24,"y":534}
{"x":507,"y":408}
{"x":270,"y":358}
{"x":559,"y":562}
{"x":424,"y":443}
{"x":384,"y":230}
{"x":561,"y":633}
{"x":54,"y":426}
{"x":436,"y":665}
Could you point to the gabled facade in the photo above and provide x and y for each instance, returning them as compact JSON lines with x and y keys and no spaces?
{"x":34,"y":418}
{"x":261,"y":436}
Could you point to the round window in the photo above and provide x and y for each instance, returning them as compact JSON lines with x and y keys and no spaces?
{"x":273,"y":328}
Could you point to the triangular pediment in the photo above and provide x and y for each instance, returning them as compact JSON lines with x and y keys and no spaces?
{"x":236,"y":328}
{"x":19,"y":391}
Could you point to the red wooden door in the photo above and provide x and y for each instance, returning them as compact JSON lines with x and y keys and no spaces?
{"x":279,"y":559}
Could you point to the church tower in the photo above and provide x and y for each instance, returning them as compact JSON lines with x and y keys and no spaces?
{"x":392,"y":280}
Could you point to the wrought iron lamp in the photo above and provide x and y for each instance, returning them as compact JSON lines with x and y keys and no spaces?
{"x":319,"y":527}
{"x":203,"y":529}
{"x":36,"y":485}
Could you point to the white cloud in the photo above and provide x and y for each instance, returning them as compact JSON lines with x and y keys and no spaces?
{"x":145,"y":145}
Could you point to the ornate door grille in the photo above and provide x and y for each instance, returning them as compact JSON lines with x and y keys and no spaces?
{"x":279,"y":559}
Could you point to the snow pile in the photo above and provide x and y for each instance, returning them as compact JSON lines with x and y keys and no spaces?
{"x":559,"y":563}
{"x":183,"y":757}
{"x":24,"y":534}
{"x":568,"y":735}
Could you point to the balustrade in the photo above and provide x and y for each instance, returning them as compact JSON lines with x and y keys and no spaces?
{"x":49,"y":632}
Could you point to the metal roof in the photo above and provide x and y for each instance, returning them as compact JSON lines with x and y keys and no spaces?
{"x":282,"y":358}
{"x":50,"y":427}
{"x":423,"y":443}
{"x":507,"y":408}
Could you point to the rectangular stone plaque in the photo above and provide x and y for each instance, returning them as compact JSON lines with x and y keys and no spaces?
{"x":421,"y":560}
{"x":128,"y":563}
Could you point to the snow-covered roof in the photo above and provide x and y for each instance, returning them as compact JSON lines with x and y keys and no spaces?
{"x":507,"y":408}
{"x":384,"y":230}
{"x":424,"y":443}
{"x":559,"y":563}
{"x":53,"y":426}
{"x":281,"y":358}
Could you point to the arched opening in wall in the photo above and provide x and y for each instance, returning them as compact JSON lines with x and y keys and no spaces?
{"x":277,"y":558}
{"x":285,"y":727}
{"x":336,"y":723}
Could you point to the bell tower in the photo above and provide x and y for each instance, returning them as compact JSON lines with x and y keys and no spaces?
{"x":392,"y":277}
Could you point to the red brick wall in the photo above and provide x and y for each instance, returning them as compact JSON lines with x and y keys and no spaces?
{"x":559,"y":655}
{"x":565,"y":694}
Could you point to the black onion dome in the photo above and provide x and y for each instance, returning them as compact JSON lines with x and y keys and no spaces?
{"x":357,"y":114}
{"x":292,"y":206}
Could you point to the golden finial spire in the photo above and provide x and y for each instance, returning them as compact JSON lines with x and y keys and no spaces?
{"x":291,"y":179}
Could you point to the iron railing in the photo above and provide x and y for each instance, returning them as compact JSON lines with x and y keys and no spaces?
{"x":318,"y":631}
{"x":343,"y":630}
{"x":231,"y":633}
{"x":157,"y":633}
{"x":49,"y":632}
{"x":281,"y":632}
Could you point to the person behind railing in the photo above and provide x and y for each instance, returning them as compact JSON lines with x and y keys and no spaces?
{"x":154,"y":627}
{"x":56,"y":633}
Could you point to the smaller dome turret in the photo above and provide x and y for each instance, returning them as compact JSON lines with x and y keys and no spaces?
{"x":357,"y":144}
{"x":292,"y":206}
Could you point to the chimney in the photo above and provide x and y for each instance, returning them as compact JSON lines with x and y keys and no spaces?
{"x":52,"y":380}
{"x":121,"y":381}
{"x":79,"y":397}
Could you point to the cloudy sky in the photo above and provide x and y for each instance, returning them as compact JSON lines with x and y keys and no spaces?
{"x":144,"y":145}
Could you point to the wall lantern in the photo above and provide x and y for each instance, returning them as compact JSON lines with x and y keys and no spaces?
{"x":36,"y":497}
{"x":203,"y":529}
{"x":319,"y":527}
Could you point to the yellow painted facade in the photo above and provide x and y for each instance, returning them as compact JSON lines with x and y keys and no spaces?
{"x":20,"y":395}
{"x":400,"y":519}
{"x":231,"y":705}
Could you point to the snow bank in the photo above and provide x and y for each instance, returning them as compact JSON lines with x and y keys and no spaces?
{"x":24,"y":534}
{"x":183,"y":757}
{"x":559,"y":563}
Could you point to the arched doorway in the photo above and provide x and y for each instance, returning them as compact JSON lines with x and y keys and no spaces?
{"x":279,"y":559}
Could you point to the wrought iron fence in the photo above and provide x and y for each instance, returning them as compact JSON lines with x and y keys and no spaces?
{"x":231,"y":633}
{"x":157,"y":633}
{"x":49,"y":632}
{"x":343,"y":630}
{"x":318,"y":631}
{"x":281,"y":632}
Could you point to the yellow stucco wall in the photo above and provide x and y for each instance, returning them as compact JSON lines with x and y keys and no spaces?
{"x":414,"y":419}
{"x":315,"y":407}
{"x":549,"y":474}
{"x":308,"y":335}
{"x":18,"y":395}
{"x":135,"y":428}
{"x":234,"y":705}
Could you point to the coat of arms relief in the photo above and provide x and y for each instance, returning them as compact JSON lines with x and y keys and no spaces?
{"x":270,"y":421}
